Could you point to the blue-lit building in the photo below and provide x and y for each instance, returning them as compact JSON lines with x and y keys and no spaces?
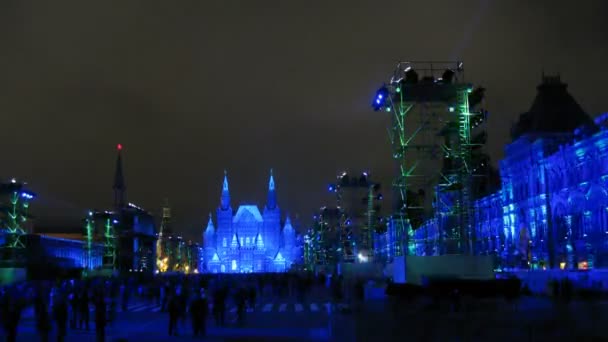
{"x":551,"y":210}
{"x":62,"y":251}
{"x":249,"y":240}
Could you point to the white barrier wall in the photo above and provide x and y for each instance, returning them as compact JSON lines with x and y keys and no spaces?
{"x":417,"y":268}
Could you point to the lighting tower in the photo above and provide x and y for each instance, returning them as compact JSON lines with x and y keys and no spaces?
{"x":357,"y":202}
{"x":89,"y":231}
{"x":427,"y":100}
{"x":15,"y":215}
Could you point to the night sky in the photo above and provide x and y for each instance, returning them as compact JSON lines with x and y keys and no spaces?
{"x":193,"y":88}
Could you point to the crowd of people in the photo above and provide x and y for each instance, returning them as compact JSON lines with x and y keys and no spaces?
{"x":65,"y":305}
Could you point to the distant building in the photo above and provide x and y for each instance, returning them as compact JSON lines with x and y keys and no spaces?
{"x":174,"y":254}
{"x":249,"y":241}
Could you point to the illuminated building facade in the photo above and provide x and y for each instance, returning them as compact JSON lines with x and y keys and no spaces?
{"x":551,"y":211}
{"x":249,"y":241}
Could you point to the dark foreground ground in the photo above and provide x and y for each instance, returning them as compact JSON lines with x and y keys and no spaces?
{"x":531,"y":319}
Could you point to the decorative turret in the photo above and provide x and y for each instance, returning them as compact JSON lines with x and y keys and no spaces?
{"x":208,"y":235}
{"x":225,"y":198}
{"x":289,"y":239}
{"x":272,"y":196}
{"x":235,"y":241}
{"x":119,"y":181}
{"x":259,"y":242}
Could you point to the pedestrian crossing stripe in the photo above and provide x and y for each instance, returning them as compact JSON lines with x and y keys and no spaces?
{"x":28,"y":313}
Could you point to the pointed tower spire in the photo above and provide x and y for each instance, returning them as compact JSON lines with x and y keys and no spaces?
{"x":272,"y":196}
{"x":208,"y":234}
{"x":225,"y":198}
{"x":210,"y":228}
{"x":119,"y":181}
{"x":287,"y":226}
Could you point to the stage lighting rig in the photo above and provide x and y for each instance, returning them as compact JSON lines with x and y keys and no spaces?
{"x":426,"y":100}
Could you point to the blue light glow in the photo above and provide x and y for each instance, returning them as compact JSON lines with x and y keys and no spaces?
{"x":552,"y":208}
{"x":247,"y":241}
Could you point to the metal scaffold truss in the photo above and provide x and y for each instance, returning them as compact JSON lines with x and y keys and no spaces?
{"x":16,"y":201}
{"x":100,"y":229}
{"x":430,"y":136}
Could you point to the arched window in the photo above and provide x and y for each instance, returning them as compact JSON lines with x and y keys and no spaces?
{"x":223,"y":268}
{"x":234,"y":265}
{"x":247,"y":241}
{"x":224,"y":243}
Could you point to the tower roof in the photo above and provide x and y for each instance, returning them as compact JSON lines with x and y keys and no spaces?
{"x":271,"y":182}
{"x":554,"y":110}
{"x":210,"y":227}
{"x":225,"y":197}
{"x":287,"y":226}
{"x":248,"y":208}
{"x":271,"y":203}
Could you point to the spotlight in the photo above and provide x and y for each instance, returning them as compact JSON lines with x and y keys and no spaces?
{"x":380,"y":99}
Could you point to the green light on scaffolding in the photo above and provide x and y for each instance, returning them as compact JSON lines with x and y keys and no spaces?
{"x":388,"y":109}
{"x":470,"y":90}
{"x":451,"y":109}
{"x":398,"y":89}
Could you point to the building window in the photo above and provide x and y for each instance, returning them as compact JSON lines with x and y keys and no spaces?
{"x":224,"y":242}
{"x":242,"y":242}
{"x":234,"y":265}
{"x":223,"y":268}
{"x":248,"y":241}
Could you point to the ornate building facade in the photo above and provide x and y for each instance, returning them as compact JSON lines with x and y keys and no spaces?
{"x":249,"y":240}
{"x":551,"y":211}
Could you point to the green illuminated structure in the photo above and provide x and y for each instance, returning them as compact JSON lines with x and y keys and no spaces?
{"x":428,"y":100}
{"x":14,"y":216}
{"x":109,"y":246}
{"x":89,"y":230}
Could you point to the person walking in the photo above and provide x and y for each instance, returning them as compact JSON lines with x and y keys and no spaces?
{"x":83,"y":309}
{"x":43,"y":321}
{"x":60,"y":312}
{"x":198,"y":314}
{"x":174,"y":313}
{"x":100,"y":317}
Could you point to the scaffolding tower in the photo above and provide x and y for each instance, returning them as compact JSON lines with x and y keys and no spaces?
{"x":16,"y":200}
{"x":358,"y":201}
{"x":430,"y":135}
